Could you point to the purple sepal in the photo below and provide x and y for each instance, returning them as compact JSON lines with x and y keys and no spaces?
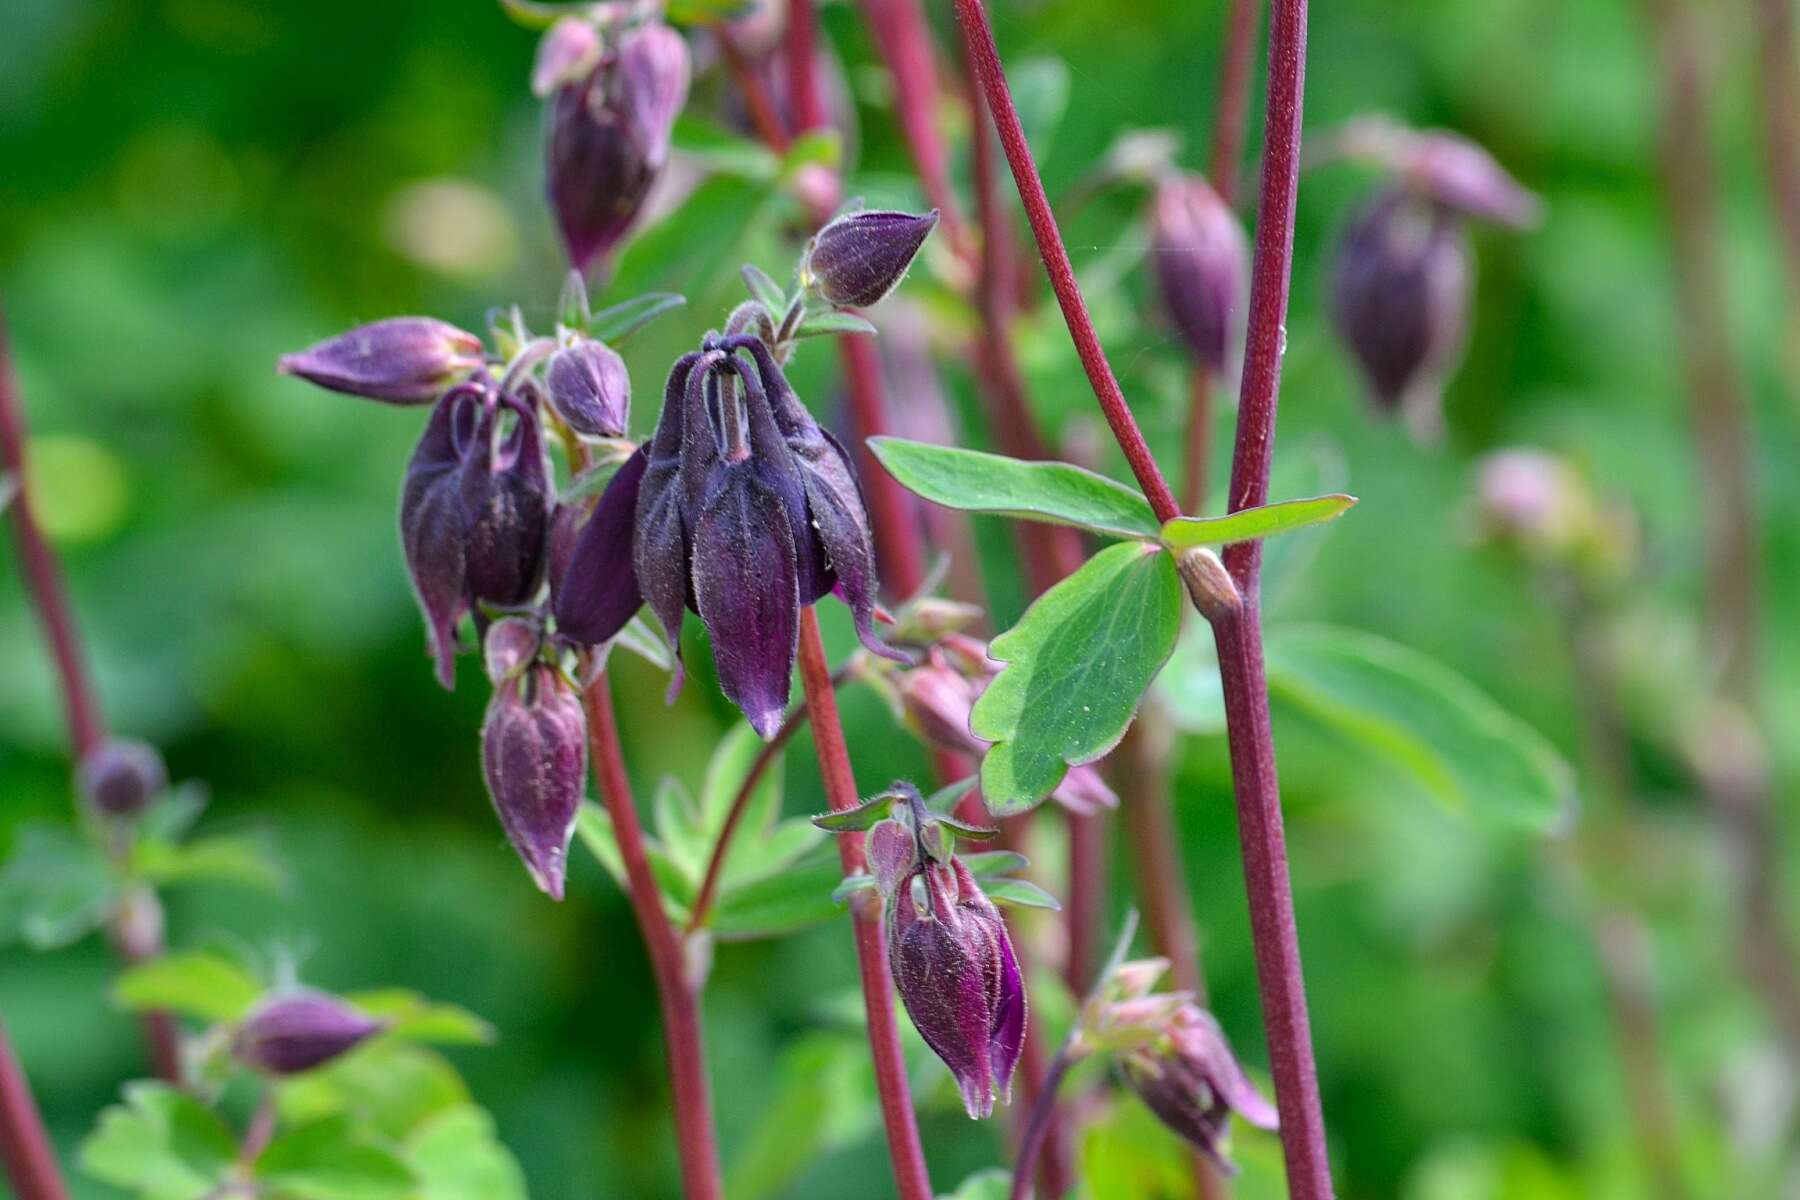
{"x":534,"y":755}
{"x":402,"y":360}
{"x":297,"y":1031}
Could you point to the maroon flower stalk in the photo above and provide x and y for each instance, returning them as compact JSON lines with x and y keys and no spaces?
{"x":87,"y":728}
{"x":1236,"y":625}
{"x":680,"y":998}
{"x":24,"y":1145}
{"x":1234,"y":99}
{"x":910,"y":1175}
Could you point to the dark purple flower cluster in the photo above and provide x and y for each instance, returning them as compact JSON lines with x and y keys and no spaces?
{"x":742,"y":509}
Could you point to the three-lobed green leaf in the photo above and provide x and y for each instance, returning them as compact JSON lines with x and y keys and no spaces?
{"x":1077,"y":664}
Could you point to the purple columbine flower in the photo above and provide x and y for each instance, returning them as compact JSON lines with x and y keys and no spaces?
{"x":1400,"y":298}
{"x":609,"y":138}
{"x":475,"y":511}
{"x":857,"y":259}
{"x":1189,"y":1078}
{"x":120,"y":776}
{"x":569,"y":51}
{"x":1201,"y":261}
{"x":740,"y":509}
{"x":402,"y":360}
{"x":534,"y":755}
{"x":297,"y":1031}
{"x":590,"y":388}
{"x":952,"y":963}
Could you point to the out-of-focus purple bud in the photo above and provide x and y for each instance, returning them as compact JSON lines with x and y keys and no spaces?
{"x":569,"y":51}
{"x":120,"y":776}
{"x":609,"y":138}
{"x":506,"y":497}
{"x":858,"y":258}
{"x":1532,"y":497}
{"x":510,"y":646}
{"x":297,"y":1031}
{"x":1400,"y":297}
{"x":954,"y":967}
{"x":590,"y":389}
{"x":1190,"y":1080}
{"x":1457,"y":173}
{"x":1202,"y":265}
{"x":431,"y":521}
{"x":534,"y":755}
{"x":403,"y":360}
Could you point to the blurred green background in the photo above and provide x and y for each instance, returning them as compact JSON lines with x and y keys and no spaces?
{"x":193,"y":186}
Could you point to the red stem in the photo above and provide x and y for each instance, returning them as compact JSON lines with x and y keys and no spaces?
{"x":891,"y":511}
{"x":979,"y":36}
{"x":908,"y":1156}
{"x":757,"y":101}
{"x":1235,"y":627}
{"x":24,"y":1145}
{"x":680,"y":999}
{"x":1234,"y":99}
{"x":804,"y":97}
{"x":87,"y":727}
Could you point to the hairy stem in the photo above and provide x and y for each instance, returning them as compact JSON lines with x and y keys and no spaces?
{"x":908,"y":1156}
{"x":1732,"y":770}
{"x":1037,"y":1129}
{"x":1234,"y":98}
{"x":24,"y":1145}
{"x":87,"y":727}
{"x":679,"y":995}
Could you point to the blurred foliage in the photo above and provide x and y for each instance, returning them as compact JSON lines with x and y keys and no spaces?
{"x":194,"y":186}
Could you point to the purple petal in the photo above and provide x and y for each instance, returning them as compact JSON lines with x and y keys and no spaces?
{"x":599,"y":593}
{"x":1009,"y":1017}
{"x":534,"y":756}
{"x":402,"y":360}
{"x":947,"y":995}
{"x":431,"y":531}
{"x":745,"y":585}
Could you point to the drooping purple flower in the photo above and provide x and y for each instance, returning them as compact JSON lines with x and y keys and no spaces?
{"x":1189,"y":1078}
{"x":609,"y":138}
{"x":402,"y":360}
{"x":299,"y":1030}
{"x":858,"y":258}
{"x":953,"y":964}
{"x":534,"y":755}
{"x":1439,"y":165}
{"x":1400,"y":296}
{"x":120,"y":776}
{"x":590,"y":388}
{"x":1201,"y":261}
{"x":431,"y":522}
{"x":570,"y":50}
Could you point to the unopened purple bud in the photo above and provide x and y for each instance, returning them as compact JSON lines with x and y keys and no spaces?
{"x":1191,"y":1081}
{"x":431,"y":522}
{"x":510,"y":646}
{"x":534,"y":755}
{"x":1400,"y":296}
{"x":506,"y":499}
{"x":569,"y":51}
{"x":403,"y":360}
{"x":858,"y":258}
{"x":1456,"y":172}
{"x":654,"y":72}
{"x":590,"y":389}
{"x":297,"y":1031}
{"x":954,"y":967}
{"x":938,"y":700}
{"x":1202,"y":265}
{"x":120,"y":776}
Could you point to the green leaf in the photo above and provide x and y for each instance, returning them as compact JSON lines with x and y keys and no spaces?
{"x":850,"y":885}
{"x":1060,"y":493}
{"x":610,"y":454}
{"x":705,"y":12}
{"x":531,"y":14}
{"x":863,"y":817}
{"x":391,"y":1085}
{"x":457,"y":1157}
{"x":645,"y":641}
{"x":823,"y":1097}
{"x":55,"y":889}
{"x":245,"y":861}
{"x":731,"y":763}
{"x":678,"y":828}
{"x":991,"y":1184}
{"x":594,"y":827}
{"x":1020,"y":893}
{"x":814,"y":148}
{"x":984,"y":863}
{"x":1419,"y":715}
{"x":194,"y":983}
{"x":1248,"y":524}
{"x":173,"y":814}
{"x":821,"y":323}
{"x":779,"y":904}
{"x":720,"y":150}
{"x":946,"y":798}
{"x":1078,"y":662}
{"x":411,"y":1015}
{"x":332,"y":1159}
{"x":764,"y":289}
{"x":161,"y":1143}
{"x":613,"y":325}
{"x":1040,"y":91}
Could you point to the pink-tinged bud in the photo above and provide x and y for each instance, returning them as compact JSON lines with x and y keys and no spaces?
{"x":1457,"y":173}
{"x":510,"y":646}
{"x":1400,"y":298}
{"x":534,"y":755}
{"x":120,"y":776}
{"x":402,"y":360}
{"x":1190,"y":1080}
{"x":954,"y":967}
{"x":297,"y":1031}
{"x":1532,"y":497}
{"x":568,"y":52}
{"x":938,"y":701}
{"x":1202,"y":265}
{"x":858,"y":258}
{"x":609,"y":138}
{"x":590,"y":389}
